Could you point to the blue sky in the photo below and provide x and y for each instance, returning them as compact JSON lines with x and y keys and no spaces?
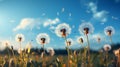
{"x":31,"y":17}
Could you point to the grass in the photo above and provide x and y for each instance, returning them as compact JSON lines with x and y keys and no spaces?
{"x":34,"y":60}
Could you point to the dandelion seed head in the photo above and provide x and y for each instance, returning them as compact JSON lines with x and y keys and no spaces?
{"x":6,"y":43}
{"x":43,"y":38}
{"x":69,"y":42}
{"x":80,"y":39}
{"x":62,"y":30}
{"x":109,"y":30}
{"x":86,"y":28}
{"x":51,"y":51}
{"x":19,"y":38}
{"x":20,"y":50}
{"x":107,"y":47}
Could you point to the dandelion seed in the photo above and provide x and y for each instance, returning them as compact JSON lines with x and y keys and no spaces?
{"x":63,"y":9}
{"x":58,"y":14}
{"x":70,"y":14}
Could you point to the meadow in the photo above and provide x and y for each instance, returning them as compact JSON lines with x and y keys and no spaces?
{"x":108,"y":56}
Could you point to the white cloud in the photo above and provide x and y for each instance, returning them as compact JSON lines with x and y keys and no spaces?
{"x":52,"y":27}
{"x":93,"y":7}
{"x":98,"y":15}
{"x":26,"y":23}
{"x":49,"y":22}
{"x":30,"y":23}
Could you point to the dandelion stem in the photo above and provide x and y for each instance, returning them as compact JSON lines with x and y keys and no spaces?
{"x":43,"y":50}
{"x":111,"y":39}
{"x":67,"y":51}
{"x":88,"y":50}
{"x":106,"y":58}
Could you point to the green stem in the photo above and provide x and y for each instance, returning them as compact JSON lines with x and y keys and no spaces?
{"x":8,"y":52}
{"x":67,"y":51}
{"x":111,"y":39}
{"x":106,"y":58}
{"x":88,"y":50}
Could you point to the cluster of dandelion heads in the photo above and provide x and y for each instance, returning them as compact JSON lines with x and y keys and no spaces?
{"x":107,"y":47}
{"x":109,"y":30}
{"x":51,"y":51}
{"x":19,"y":38}
{"x":69,"y":42}
{"x":62,"y":30}
{"x":43,"y":38}
{"x":80,"y":39}
{"x":86,"y":28}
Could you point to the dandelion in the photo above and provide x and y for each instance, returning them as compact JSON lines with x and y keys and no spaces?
{"x":20,"y":50}
{"x":109,"y":31}
{"x":43,"y":38}
{"x":86,"y":28}
{"x":117,"y":52}
{"x":19,"y":38}
{"x":7,"y":43}
{"x":80,"y":40}
{"x":51,"y":51}
{"x":62,"y":30}
{"x":107,"y":47}
{"x":98,"y":39}
{"x":69,"y":42}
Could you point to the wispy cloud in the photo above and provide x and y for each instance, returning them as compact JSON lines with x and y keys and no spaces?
{"x":30,"y":23}
{"x":98,"y":15}
{"x":50,"y":22}
{"x":26,"y":23}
